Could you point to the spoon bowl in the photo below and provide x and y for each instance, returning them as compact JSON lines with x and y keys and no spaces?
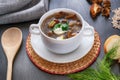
{"x":11,"y":41}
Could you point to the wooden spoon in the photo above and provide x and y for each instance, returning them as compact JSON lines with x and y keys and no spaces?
{"x":11,"y":41}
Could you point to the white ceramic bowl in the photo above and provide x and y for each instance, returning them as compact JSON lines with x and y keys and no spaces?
{"x":61,"y":46}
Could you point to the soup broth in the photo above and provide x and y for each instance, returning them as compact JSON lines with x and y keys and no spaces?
{"x":61,"y":25}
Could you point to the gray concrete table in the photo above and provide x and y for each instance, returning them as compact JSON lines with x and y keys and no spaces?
{"x":24,"y":69}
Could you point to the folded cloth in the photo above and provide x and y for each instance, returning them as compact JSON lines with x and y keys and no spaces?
{"x":7,"y":6}
{"x":29,"y":10}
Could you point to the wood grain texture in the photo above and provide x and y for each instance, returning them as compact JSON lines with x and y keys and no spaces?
{"x":24,"y":69}
{"x":65,"y":68}
{"x":11,"y":40}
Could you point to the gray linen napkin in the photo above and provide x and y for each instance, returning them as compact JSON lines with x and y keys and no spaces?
{"x":14,"y":11}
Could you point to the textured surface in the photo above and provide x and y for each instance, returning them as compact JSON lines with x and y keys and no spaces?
{"x":23,"y":68}
{"x":7,"y":6}
{"x":24,"y":14}
{"x":64,"y":68}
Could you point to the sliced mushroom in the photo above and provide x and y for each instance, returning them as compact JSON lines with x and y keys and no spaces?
{"x":93,"y":1}
{"x":106,"y":12}
{"x":72,"y":23}
{"x":52,"y":23}
{"x":49,"y":33}
{"x":96,"y":1}
{"x":75,"y":28}
{"x":71,"y":34}
{"x":64,"y":21}
{"x":106,"y":8}
{"x":70,"y":16}
{"x":100,"y":1}
{"x":79,"y":24}
{"x":95,"y":9}
{"x":106,"y":3}
{"x":74,"y":34}
{"x":60,"y":15}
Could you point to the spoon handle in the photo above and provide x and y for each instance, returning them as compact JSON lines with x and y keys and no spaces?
{"x":9,"y":70}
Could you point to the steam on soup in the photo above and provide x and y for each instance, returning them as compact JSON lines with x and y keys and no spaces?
{"x":61,"y":25}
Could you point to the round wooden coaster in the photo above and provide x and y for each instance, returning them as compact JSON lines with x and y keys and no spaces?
{"x":64,"y":68}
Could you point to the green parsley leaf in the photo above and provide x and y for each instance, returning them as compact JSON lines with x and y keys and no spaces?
{"x":65,"y":27}
{"x":57,"y":26}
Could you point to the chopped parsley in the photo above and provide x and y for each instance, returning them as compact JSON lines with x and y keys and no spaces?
{"x":63,"y":26}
